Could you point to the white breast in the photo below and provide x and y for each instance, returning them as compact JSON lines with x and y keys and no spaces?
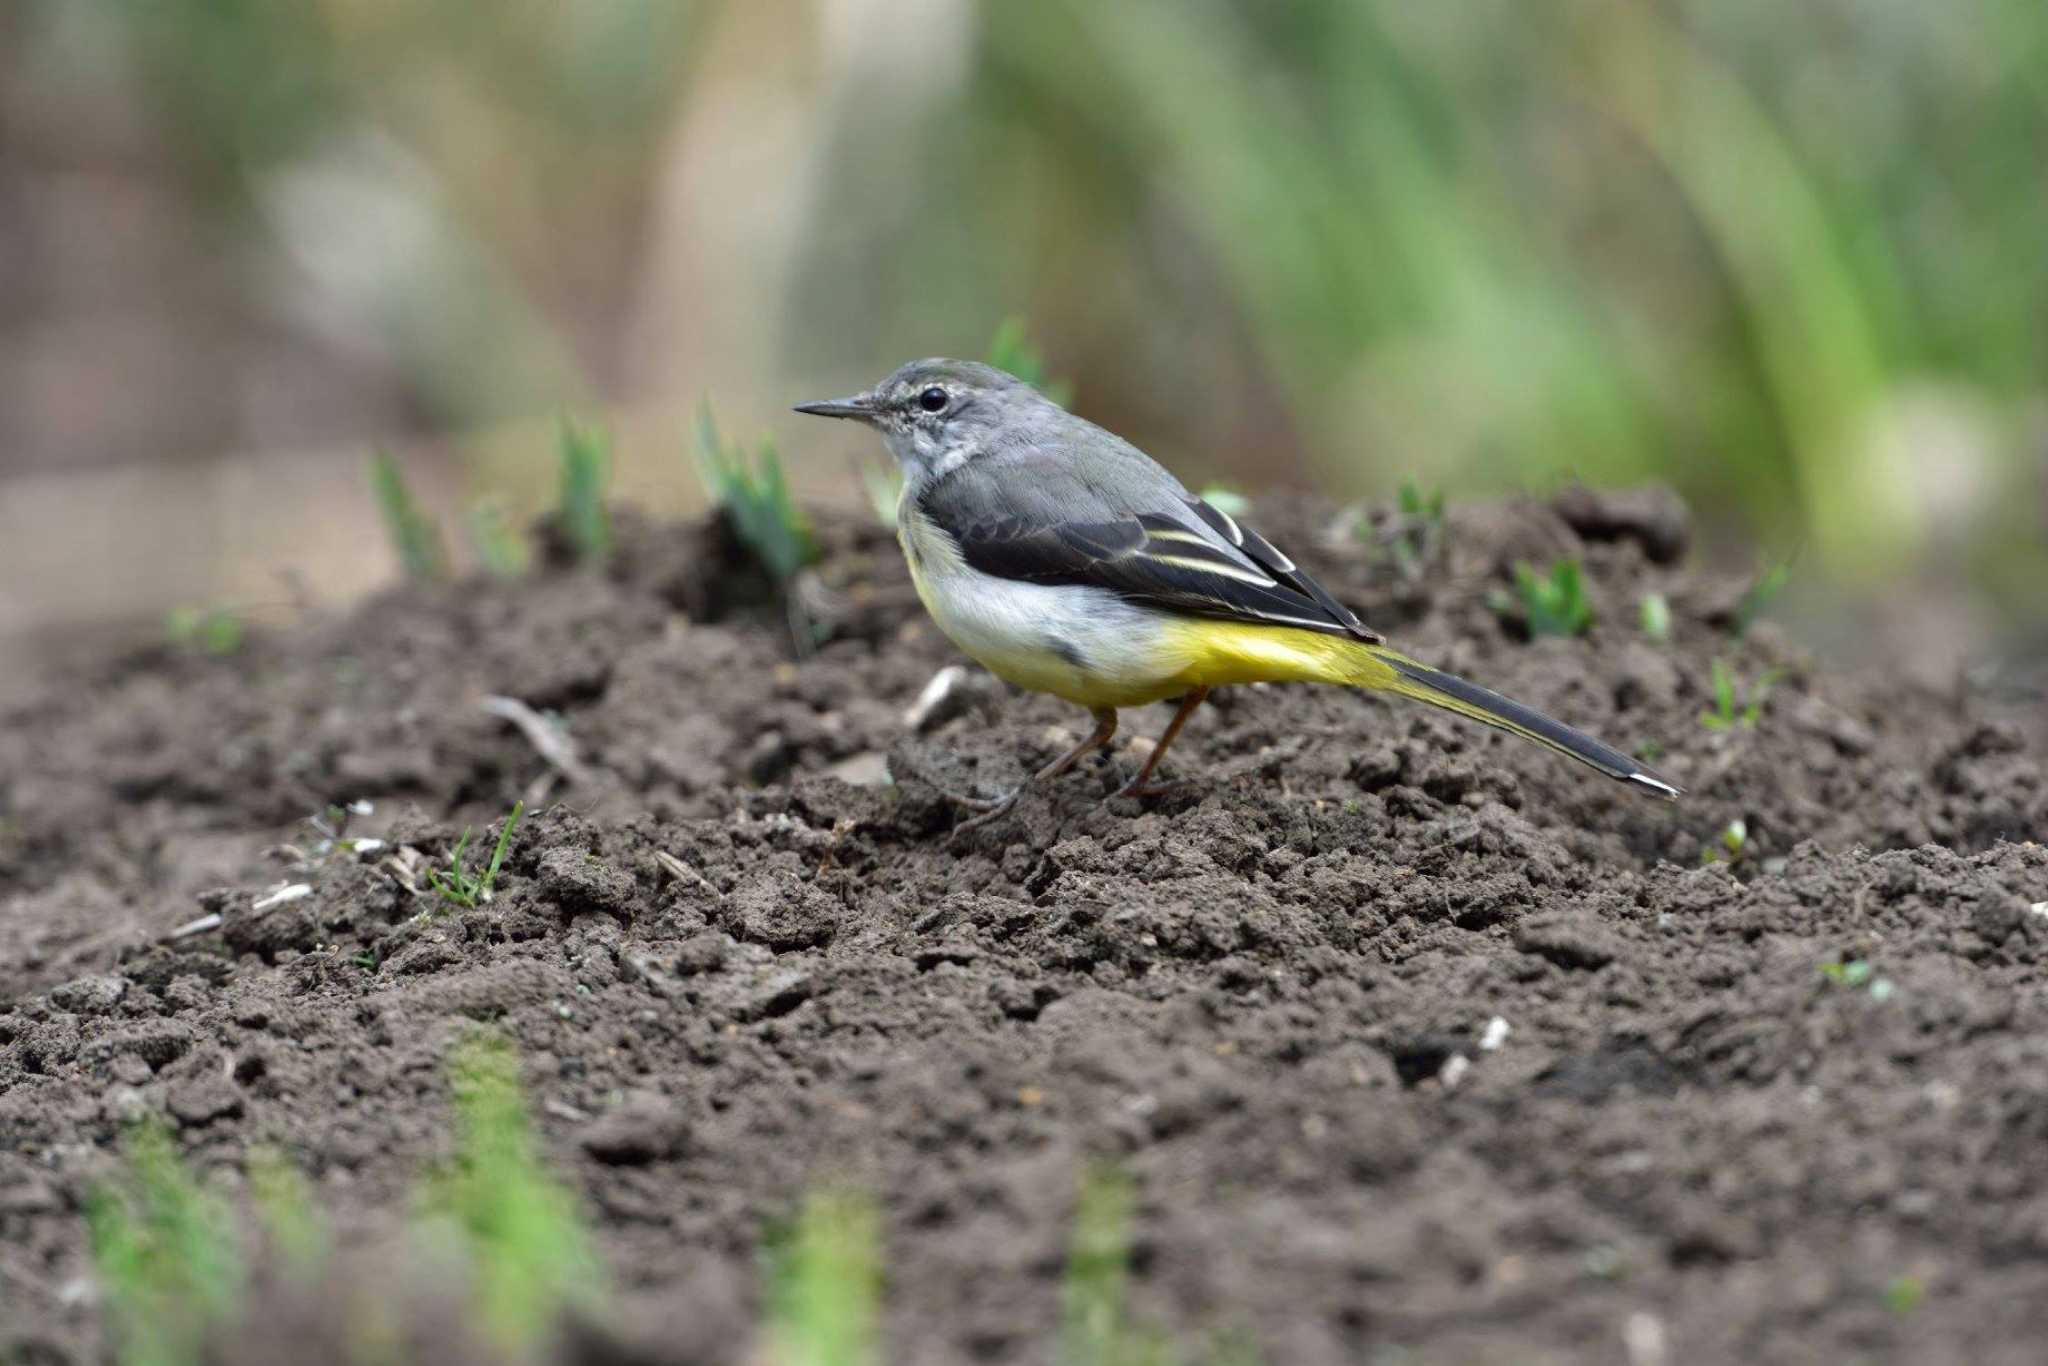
{"x":1083,"y":644}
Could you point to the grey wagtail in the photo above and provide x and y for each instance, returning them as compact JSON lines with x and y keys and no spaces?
{"x":1066,"y":560}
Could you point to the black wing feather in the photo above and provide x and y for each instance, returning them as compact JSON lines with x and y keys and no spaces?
{"x":1268,"y":557}
{"x":1163,"y":561}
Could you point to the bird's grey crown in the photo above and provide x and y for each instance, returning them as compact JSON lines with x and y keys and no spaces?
{"x":916,"y":375}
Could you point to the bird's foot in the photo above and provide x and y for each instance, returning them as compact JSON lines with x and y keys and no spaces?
{"x":1143,"y":789}
{"x":988,"y":807}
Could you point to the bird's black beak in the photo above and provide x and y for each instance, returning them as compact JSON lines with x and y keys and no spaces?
{"x":860,"y":405}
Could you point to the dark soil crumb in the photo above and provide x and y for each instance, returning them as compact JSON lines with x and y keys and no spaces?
{"x":1410,"y":1034}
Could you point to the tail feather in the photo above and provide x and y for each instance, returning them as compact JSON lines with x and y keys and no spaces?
{"x":1439,"y":689}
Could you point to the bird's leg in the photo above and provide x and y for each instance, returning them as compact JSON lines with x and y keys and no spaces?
{"x":1139,"y":786}
{"x":992,"y":807}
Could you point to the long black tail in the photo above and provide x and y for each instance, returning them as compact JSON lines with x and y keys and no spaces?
{"x":1452,"y":693}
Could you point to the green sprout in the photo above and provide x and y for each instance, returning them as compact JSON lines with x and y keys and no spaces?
{"x":1416,"y":538}
{"x":1854,"y":974}
{"x":499,"y":548}
{"x":1731,"y":708}
{"x":585,"y":469}
{"x":211,"y":630}
{"x":755,"y":500}
{"x":1095,"y":1328}
{"x":1759,"y":596}
{"x":291,"y":1220}
{"x":412,"y":532}
{"x":458,"y":886}
{"x":826,"y":1284}
{"x":166,"y":1254}
{"x":527,"y":1245}
{"x":1734,"y":839}
{"x":1552,"y":604}
{"x":1011,"y":349}
{"x":1656,"y":617}
{"x":1904,"y":1293}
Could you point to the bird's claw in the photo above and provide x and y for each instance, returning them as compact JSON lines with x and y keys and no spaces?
{"x":1143,"y":790}
{"x":988,"y":807}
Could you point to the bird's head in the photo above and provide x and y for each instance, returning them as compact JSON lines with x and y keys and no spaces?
{"x":936,"y":414}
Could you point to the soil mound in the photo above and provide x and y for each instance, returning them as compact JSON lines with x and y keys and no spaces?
{"x":1409,"y":1034}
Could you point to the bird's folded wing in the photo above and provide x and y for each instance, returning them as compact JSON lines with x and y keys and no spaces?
{"x":1202,"y":565}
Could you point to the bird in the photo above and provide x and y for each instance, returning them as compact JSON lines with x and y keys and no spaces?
{"x":1065,"y":560}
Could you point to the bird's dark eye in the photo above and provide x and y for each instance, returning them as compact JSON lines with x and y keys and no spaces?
{"x":932,"y":399}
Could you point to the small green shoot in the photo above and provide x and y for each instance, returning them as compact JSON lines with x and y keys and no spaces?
{"x":1856,"y":974}
{"x":756,"y":501}
{"x":166,"y":1253}
{"x":1552,"y":604}
{"x":528,"y":1249}
{"x":1728,"y":849}
{"x":581,"y":513}
{"x":1416,"y":539}
{"x":1011,"y":349}
{"x":1853,"y":973}
{"x":291,"y":1219}
{"x":1226,"y":500}
{"x":458,"y":886}
{"x":1656,"y":617}
{"x":412,"y":532}
{"x":499,"y":548}
{"x":1731,"y":708}
{"x":1904,"y":1293}
{"x":1095,"y":1328}
{"x":1759,"y":597}
{"x":210,"y":630}
{"x":826,"y":1284}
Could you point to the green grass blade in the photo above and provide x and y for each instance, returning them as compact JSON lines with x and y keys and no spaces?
{"x":585,"y":469}
{"x":1093,"y":1331}
{"x":166,"y":1254}
{"x":527,"y":1246}
{"x":413,"y":534}
{"x":291,"y":1219}
{"x":498,"y":854}
{"x":825,"y":1305}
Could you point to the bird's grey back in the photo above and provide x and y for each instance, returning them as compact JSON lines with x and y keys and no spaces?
{"x":1042,"y":464}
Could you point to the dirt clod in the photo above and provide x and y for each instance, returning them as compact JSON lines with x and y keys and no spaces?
{"x":1748,"y":1085}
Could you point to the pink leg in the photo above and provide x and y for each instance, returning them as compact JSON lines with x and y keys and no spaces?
{"x":1139,"y":786}
{"x":992,"y":807}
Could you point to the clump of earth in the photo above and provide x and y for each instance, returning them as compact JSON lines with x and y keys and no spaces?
{"x":1407,"y":1034}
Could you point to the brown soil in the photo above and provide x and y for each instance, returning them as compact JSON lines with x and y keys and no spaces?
{"x":1266,"y":998}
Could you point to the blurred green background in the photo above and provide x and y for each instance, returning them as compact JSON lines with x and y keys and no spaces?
{"x":1792,"y":259}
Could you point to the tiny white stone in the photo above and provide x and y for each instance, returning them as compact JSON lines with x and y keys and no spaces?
{"x":281,"y":895}
{"x":2039,"y":908}
{"x":1454,"y":1070}
{"x":1642,"y":1336}
{"x":942,"y":684}
{"x":1496,"y":1034}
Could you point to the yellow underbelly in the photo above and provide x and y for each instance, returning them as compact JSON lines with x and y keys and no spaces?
{"x":1094,"y":649}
